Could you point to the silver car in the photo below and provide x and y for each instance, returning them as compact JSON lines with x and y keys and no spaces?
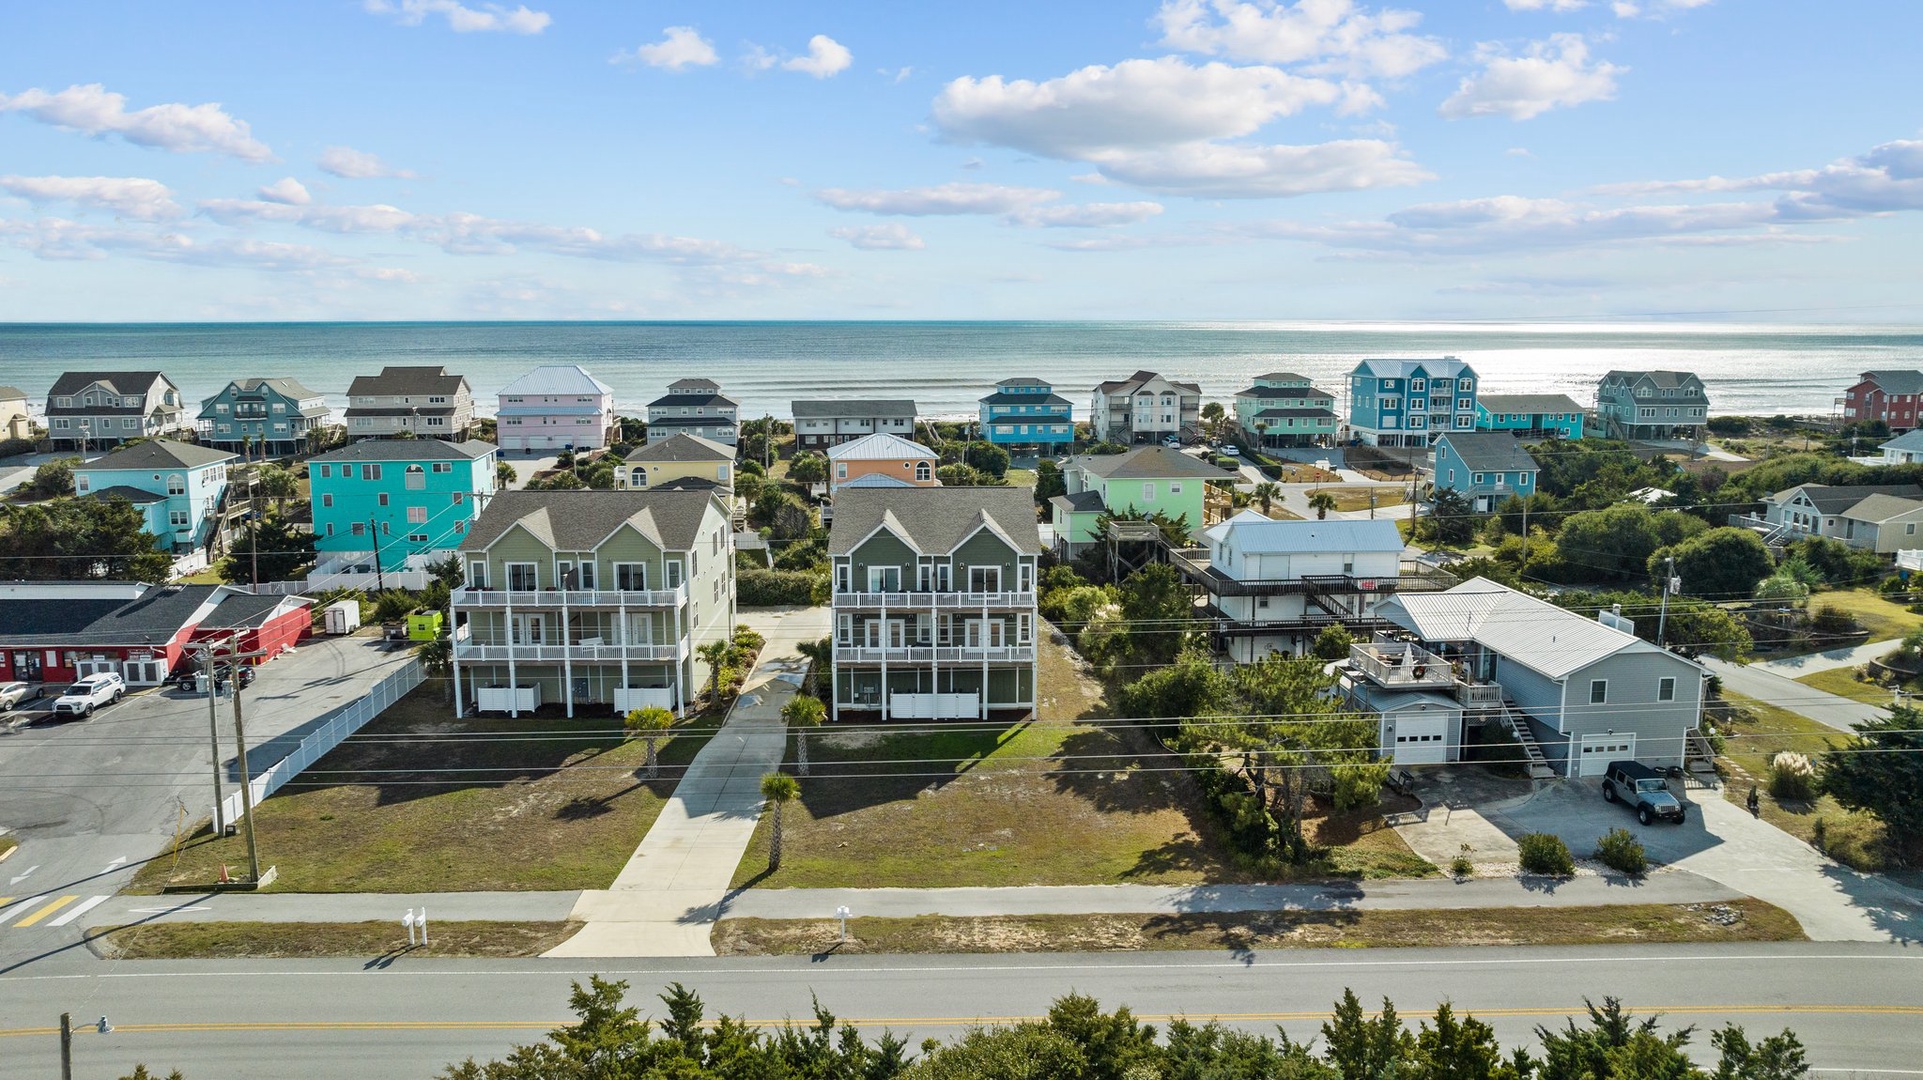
{"x":14,"y":693}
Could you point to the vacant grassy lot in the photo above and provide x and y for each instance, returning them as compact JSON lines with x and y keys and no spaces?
{"x":7,"y":844}
{"x":1059,"y":800}
{"x":233,"y":940}
{"x":1844,"y":683}
{"x":1249,"y":931}
{"x":1357,"y":498}
{"x":1883,"y":619}
{"x":420,"y":802}
{"x":1758,"y":731}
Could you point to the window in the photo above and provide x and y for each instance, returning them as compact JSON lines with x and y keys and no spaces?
{"x":631,"y":576}
{"x":382,"y":498}
{"x":1148,"y":492}
{"x":1599,"y":691}
{"x":443,"y":466}
{"x":1417,"y":386}
{"x":359,"y":528}
{"x":584,"y":575}
{"x":1666,"y":690}
{"x":176,"y":485}
{"x":1480,"y":478}
{"x":417,"y":515}
{"x":327,"y":501}
{"x":477,"y":574}
{"x":841,"y":470}
{"x":417,"y":538}
{"x":177,"y":518}
{"x":416,"y":478}
{"x":1175,"y":487}
{"x":523,"y":576}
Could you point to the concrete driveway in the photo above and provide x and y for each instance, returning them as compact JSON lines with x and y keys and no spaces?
{"x":1720,"y":841}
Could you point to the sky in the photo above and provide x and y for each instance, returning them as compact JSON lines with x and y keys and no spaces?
{"x":1742,"y":160}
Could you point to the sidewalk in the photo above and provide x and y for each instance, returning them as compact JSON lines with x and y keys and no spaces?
{"x":666,"y":899}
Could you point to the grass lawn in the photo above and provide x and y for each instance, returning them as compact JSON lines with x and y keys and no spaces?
{"x":1759,"y":731}
{"x":209,"y":576}
{"x":1883,"y":619}
{"x":233,"y":940}
{"x":1248,"y":931}
{"x":1305,"y":474}
{"x":1844,"y":683}
{"x":1059,"y":800}
{"x":420,"y":802}
{"x":1355,"y":498}
{"x":1020,"y":478}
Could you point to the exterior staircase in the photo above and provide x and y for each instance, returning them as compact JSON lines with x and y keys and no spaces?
{"x":1699,"y":756}
{"x":1538,"y":765}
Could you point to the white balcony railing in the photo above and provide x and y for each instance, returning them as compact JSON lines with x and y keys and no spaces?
{"x":935,"y":601}
{"x":934,"y":654}
{"x":472,"y":652}
{"x":1402,"y":664}
{"x":469,"y":596}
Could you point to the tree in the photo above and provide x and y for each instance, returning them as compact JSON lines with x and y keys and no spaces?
{"x":1212,"y":416}
{"x":791,"y":519}
{"x":1694,"y":627}
{"x":1719,"y":564}
{"x":1880,"y":771}
{"x":778,"y":789}
{"x":1361,"y":1047}
{"x":715,"y":655}
{"x":1615,"y":543}
{"x":1778,"y":1057}
{"x":1333,"y":643}
{"x":80,"y":540}
{"x":560,"y":480}
{"x":648,"y":723}
{"x":987,"y":458}
{"x":808,"y":467}
{"x":437,"y":658}
{"x":803,"y":713}
{"x":53,"y":478}
{"x":1451,"y":520}
{"x":1265,"y":493}
{"x":504,"y":473}
{"x":1048,"y":481}
{"x":277,"y":484}
{"x":274,"y":545}
{"x":1321,"y":502}
{"x":821,"y":658}
{"x":1158,"y":613}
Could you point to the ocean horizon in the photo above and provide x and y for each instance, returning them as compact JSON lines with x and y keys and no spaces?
{"x":945,"y":365}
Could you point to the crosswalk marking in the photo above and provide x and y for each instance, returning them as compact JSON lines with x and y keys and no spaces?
{"x":46,"y":911}
{"x":8,"y":914}
{"x":79,"y":910}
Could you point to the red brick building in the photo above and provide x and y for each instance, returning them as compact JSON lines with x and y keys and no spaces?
{"x":1894,"y":397}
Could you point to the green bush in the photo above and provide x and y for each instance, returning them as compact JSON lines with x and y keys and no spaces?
{"x":777,"y":588}
{"x":1620,"y":850}
{"x":1462,"y":866}
{"x":15,"y":447}
{"x":1792,"y":777}
{"x":1546,"y":854}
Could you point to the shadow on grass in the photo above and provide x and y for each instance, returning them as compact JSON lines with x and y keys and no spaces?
{"x":854,"y":766}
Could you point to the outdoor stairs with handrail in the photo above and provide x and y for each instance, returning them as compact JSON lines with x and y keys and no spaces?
{"x":1538,"y":765}
{"x":1699,"y":756}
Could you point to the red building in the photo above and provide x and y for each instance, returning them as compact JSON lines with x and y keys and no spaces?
{"x":58,"y":631}
{"x":1894,"y":397}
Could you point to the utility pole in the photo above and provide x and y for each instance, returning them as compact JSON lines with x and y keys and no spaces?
{"x":246,"y":779}
{"x":207,"y":670}
{"x":253,"y":539}
{"x":374,"y":536}
{"x":1669,"y":582}
{"x":66,"y":1046}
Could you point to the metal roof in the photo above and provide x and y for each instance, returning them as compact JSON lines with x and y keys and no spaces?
{"x":1446,"y":367}
{"x":1534,"y":633}
{"x":881,"y":446}
{"x":935,"y":519}
{"x":1255,"y":534}
{"x":556,"y":379}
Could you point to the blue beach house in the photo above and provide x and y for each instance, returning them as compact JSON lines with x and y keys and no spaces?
{"x":1530,"y":416}
{"x":1410,"y":402}
{"x":176,"y":486}
{"x":400,"y":498}
{"x":1028,"y":413}
{"x":270,"y":415}
{"x":1484,"y":467}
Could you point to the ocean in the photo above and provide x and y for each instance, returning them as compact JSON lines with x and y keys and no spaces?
{"x":945,"y":366}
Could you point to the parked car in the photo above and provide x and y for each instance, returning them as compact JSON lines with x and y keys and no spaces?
{"x":1172,"y":443}
{"x":1232,"y":450}
{"x":1643,"y":790}
{"x":14,"y":693}
{"x":190,"y":679}
{"x":89,"y":693}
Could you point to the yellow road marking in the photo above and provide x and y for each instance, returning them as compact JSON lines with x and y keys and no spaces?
{"x":46,"y":911}
{"x":957,"y":1021}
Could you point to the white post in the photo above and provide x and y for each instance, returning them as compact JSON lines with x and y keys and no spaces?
{"x":407,"y":920}
{"x":454,"y":658}
{"x":513,"y":698}
{"x":567,"y":650}
{"x":422,"y":920}
{"x":842,"y":913}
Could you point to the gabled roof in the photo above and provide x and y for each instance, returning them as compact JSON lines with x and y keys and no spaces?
{"x":408,"y":381}
{"x":881,"y":446}
{"x":1130,"y":384}
{"x":137,"y":496}
{"x":1024,"y":380}
{"x":690,"y":399}
{"x":580,"y":520}
{"x":159,"y":454}
{"x":1282,"y":377}
{"x":246,"y":610}
{"x":1297,"y":392}
{"x":125,"y":384}
{"x":1528,"y":403}
{"x":935,"y":520}
{"x":1445,"y":367}
{"x":556,"y":379}
{"x":1661,"y":379}
{"x":408,"y":450}
{"x":1896,"y":382}
{"x":12,"y":393}
{"x":287,"y":387}
{"x":1488,"y":451}
{"x":1909,"y":440}
{"x":695,"y":383}
{"x":862,"y":408}
{"x":682,"y":447}
{"x":155,"y":616}
{"x":1148,"y":463}
{"x":1082,"y":502}
{"x":1834,"y":500}
{"x":1256,"y":534}
{"x":1534,"y":633}
{"x":1877,"y":508}
{"x":1002,"y":398}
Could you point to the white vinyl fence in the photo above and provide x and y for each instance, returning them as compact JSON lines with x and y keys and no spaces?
{"x":413,"y":580}
{"x":339,"y":724}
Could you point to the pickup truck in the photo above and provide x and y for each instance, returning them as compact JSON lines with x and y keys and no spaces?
{"x":1643,"y":790}
{"x":88,"y":694}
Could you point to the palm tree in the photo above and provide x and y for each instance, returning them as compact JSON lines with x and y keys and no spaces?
{"x":437,"y":658}
{"x":1322,"y":502}
{"x":778,"y":788}
{"x":803,"y":712}
{"x":277,"y":484}
{"x":714,"y":654}
{"x":649,"y":723}
{"x":1265,"y":493}
{"x":821,"y":656}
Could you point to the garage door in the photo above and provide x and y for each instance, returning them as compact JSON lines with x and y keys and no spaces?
{"x":1422,"y":740}
{"x":1597,"y":751}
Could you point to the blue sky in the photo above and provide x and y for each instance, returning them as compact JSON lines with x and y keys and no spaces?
{"x":1183,"y":159}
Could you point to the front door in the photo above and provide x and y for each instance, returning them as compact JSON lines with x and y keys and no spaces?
{"x":528,"y":629}
{"x":26,"y":666}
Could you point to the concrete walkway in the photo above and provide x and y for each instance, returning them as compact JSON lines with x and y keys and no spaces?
{"x":1810,"y":664}
{"x":1765,"y":685}
{"x":666,"y":899}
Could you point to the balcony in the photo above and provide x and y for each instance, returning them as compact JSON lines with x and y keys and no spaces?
{"x":1402,"y":665}
{"x":1474,"y":695}
{"x":934,"y":601}
{"x":472,"y":652}
{"x":470,"y":597}
{"x":934,"y":654}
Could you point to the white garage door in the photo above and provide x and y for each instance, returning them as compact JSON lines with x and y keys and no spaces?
{"x":1597,"y":751}
{"x":1421,"y":740}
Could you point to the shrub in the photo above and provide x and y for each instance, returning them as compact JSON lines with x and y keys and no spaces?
{"x":1545,"y":854}
{"x":1462,"y":865}
{"x":1831,"y":620}
{"x":748,"y":639}
{"x":1620,"y":850}
{"x":777,"y":588}
{"x":1792,"y":777}
{"x":15,"y":447}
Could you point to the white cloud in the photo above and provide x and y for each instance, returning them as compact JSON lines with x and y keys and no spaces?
{"x":683,"y":47}
{"x":351,"y":164}
{"x":893,"y":236}
{"x":461,"y":18}
{"x":1328,"y":35}
{"x":1552,"y":74}
{"x":93,"y":110}
{"x":1229,"y":171}
{"x":1085,"y":215}
{"x":945,"y":199}
{"x":61,"y":239}
{"x":1519,"y":151}
{"x":126,"y":196}
{"x":1654,"y":9}
{"x":1545,"y":5}
{"x":826,"y":58}
{"x":378,"y":218}
{"x":286,"y":190}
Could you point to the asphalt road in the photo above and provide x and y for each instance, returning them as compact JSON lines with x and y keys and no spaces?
{"x":1857,"y":1008}
{"x":90,"y":801}
{"x":1765,"y":685}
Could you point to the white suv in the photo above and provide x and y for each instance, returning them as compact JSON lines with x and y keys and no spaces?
{"x":88,"y":694}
